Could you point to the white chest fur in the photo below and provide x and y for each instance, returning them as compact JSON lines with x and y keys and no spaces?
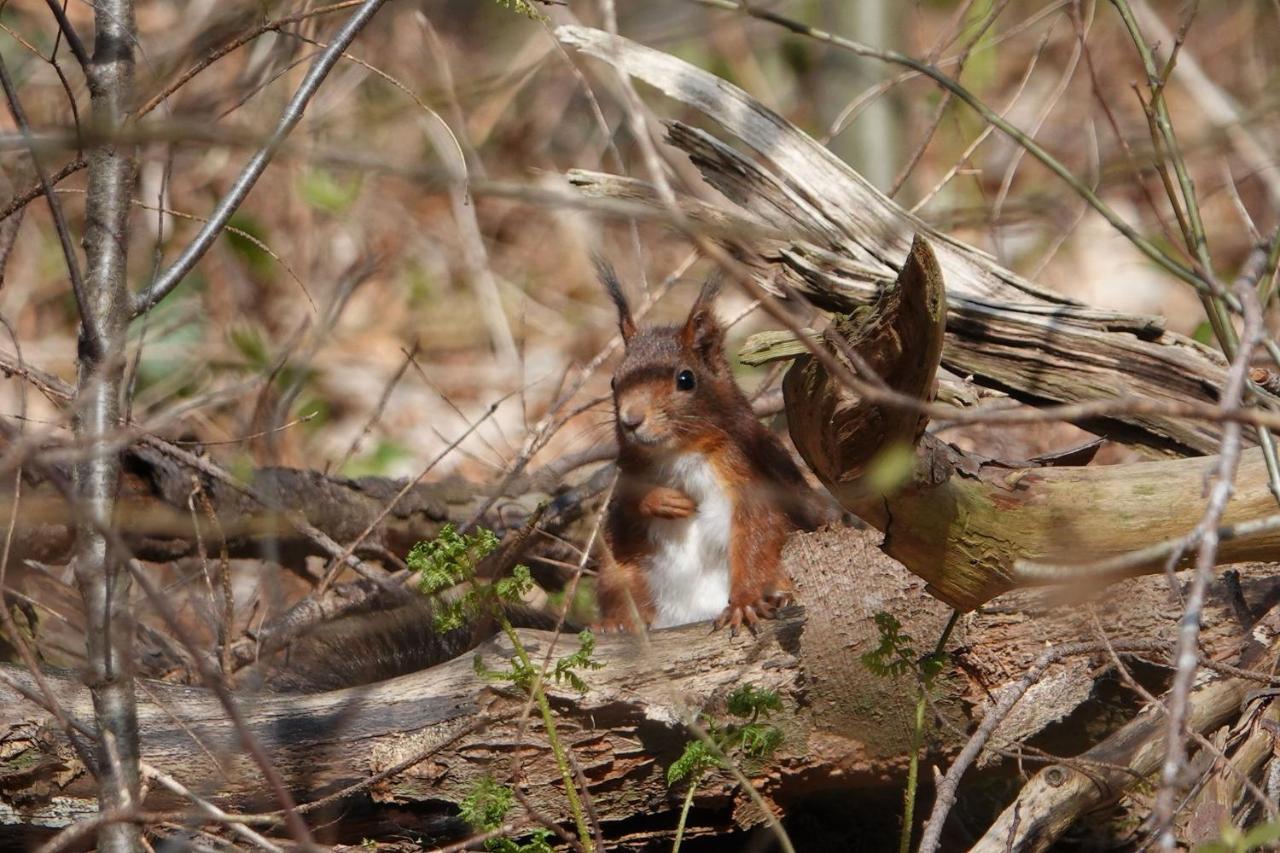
{"x":688,"y":573}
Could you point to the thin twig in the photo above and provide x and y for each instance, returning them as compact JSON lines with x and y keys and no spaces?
{"x":46,"y":186}
{"x":234,"y":823}
{"x":1152,"y":701}
{"x":1187,"y":657}
{"x":218,"y":685}
{"x":948,"y":787}
{"x":944,"y":103}
{"x":69,"y":32}
{"x":1147,"y":247}
{"x":166,"y":281}
{"x":343,"y":558}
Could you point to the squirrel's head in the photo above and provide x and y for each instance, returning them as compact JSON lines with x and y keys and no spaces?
{"x":673,"y":389}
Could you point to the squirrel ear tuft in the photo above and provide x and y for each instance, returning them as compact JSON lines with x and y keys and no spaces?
{"x":609,"y":279}
{"x":702,"y":332}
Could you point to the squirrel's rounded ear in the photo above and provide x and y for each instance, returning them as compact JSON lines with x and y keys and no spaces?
{"x":702,"y":332}
{"x":609,"y":279}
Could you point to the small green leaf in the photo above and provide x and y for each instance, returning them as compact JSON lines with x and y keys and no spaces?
{"x":1203,"y":334}
{"x":524,"y":7}
{"x":512,"y":589}
{"x":581,"y":659}
{"x":895,"y":655}
{"x":450,"y":558}
{"x":750,"y":701}
{"x":696,"y":759}
{"x":486,"y":804}
{"x":890,"y":469}
{"x":759,"y":740}
{"x":323,"y":191}
{"x":931,"y":665}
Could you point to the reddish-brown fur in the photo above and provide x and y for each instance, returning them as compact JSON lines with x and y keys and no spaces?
{"x":767,"y":492}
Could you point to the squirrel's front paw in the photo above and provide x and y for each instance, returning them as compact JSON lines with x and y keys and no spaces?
{"x":662,"y":502}
{"x":752,"y":611}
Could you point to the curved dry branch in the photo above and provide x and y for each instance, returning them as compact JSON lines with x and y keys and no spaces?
{"x":809,"y":222}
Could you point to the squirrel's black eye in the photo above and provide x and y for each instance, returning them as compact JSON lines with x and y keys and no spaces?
{"x":684,"y":380}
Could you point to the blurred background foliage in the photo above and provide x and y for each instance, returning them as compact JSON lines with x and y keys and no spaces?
{"x":291,"y":342}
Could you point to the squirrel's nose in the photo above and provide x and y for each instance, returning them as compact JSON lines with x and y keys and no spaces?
{"x":631,"y":418}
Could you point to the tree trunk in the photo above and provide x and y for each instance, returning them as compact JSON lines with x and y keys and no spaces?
{"x":104,"y":316}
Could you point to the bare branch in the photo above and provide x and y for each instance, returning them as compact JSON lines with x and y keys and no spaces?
{"x":166,"y":281}
{"x":69,"y":32}
{"x":46,"y":186}
{"x":104,"y":308}
{"x":1187,"y":658}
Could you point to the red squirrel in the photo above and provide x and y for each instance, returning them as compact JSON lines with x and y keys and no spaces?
{"x":706,"y":494}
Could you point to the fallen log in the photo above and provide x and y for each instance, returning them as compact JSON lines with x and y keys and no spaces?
{"x":166,"y":505}
{"x":844,"y":726}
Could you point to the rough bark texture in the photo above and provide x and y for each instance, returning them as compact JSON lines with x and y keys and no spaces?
{"x":844,"y":726}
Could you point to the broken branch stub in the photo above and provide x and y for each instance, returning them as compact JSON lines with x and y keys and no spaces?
{"x":968,"y":526}
{"x":852,"y":444}
{"x":899,"y":341}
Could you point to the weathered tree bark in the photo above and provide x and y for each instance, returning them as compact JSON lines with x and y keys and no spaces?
{"x":844,"y":727}
{"x":965,"y":524}
{"x":1059,"y":794}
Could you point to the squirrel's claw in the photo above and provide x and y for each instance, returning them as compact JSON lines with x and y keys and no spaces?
{"x":780,"y":599}
{"x":736,"y":617}
{"x":765,"y":607}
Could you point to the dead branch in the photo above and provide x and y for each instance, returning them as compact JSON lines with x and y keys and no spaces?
{"x":1057,"y":795}
{"x":840,"y":244}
